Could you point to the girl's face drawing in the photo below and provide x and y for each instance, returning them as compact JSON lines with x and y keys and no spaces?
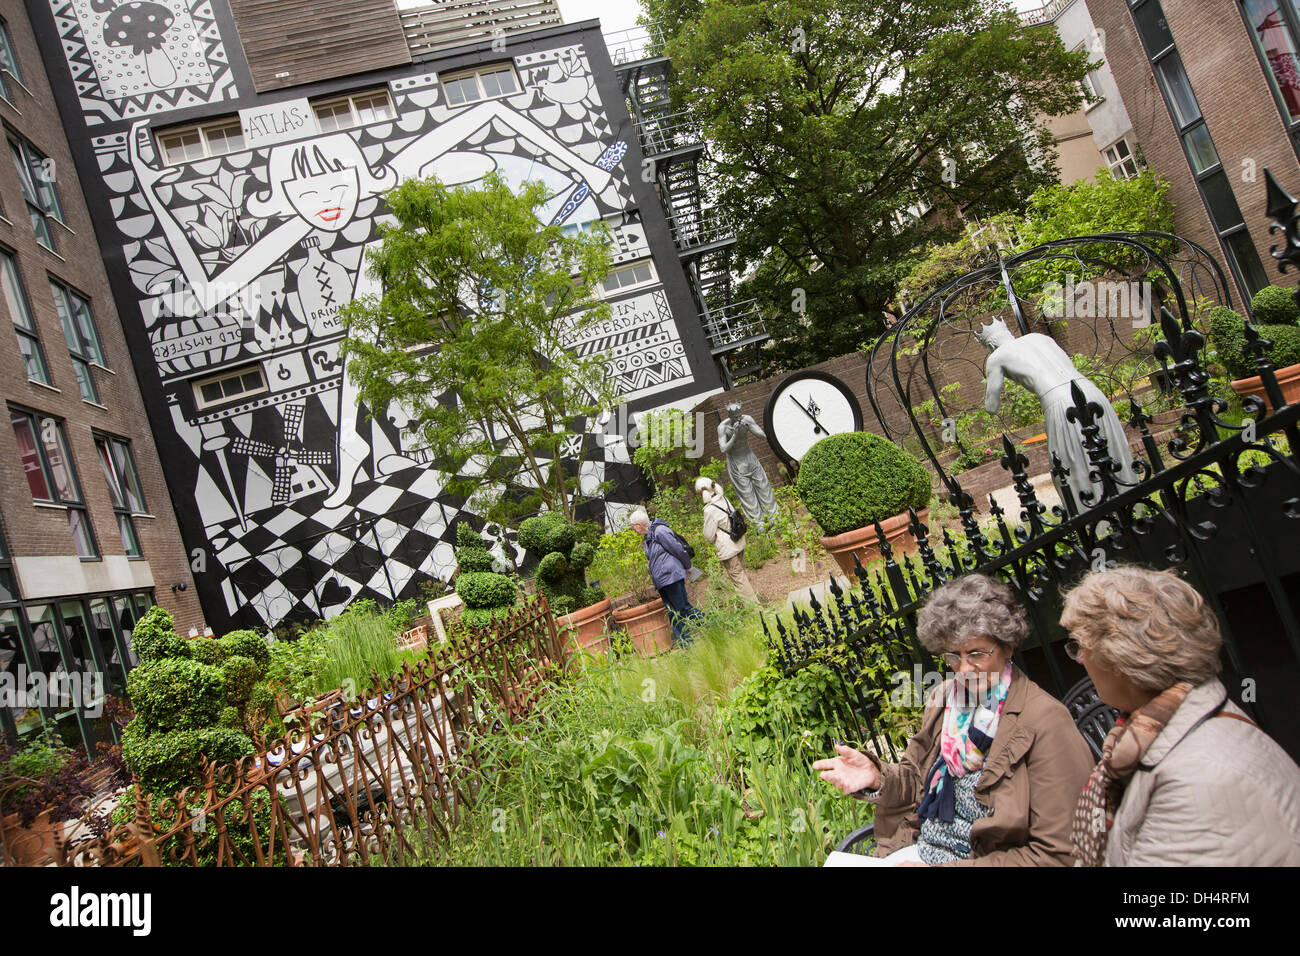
{"x":326,"y":200}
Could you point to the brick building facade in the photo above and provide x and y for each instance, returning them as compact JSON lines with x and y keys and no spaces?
{"x":90,"y":537}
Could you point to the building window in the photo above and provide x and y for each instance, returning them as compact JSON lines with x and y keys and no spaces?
{"x":629,"y":277}
{"x":1091,"y":90}
{"x":118,"y":463}
{"x":29,"y":340}
{"x":1120,"y":159}
{"x":51,"y":474}
{"x":198,"y":142}
{"x":8,"y":62}
{"x":1274,"y":39}
{"x":1198,"y":145}
{"x":482,"y":83}
{"x":228,"y":386}
{"x":357,"y":109}
{"x":36,"y":178}
{"x":83,"y":343}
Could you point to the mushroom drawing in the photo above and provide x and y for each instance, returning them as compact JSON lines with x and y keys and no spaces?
{"x":141,"y":26}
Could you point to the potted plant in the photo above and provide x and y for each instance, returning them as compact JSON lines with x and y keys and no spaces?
{"x":1228,"y":336}
{"x":852,"y":480}
{"x":621,"y":568}
{"x":565,"y":550}
{"x":42,"y":784}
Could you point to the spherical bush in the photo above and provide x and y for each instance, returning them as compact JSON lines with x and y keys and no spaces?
{"x":848,"y":481}
{"x":1273,"y":305}
{"x":547,"y":533}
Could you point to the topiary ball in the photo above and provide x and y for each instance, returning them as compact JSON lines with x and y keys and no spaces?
{"x":848,"y":481}
{"x":1273,"y":305}
{"x":480,"y":589}
{"x":155,"y":638}
{"x":547,"y":534}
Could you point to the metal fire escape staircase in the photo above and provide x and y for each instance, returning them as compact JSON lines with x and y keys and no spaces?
{"x":703,"y":236}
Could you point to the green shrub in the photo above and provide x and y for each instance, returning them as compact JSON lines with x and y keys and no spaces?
{"x":1227,"y":335}
{"x":1273,"y":305}
{"x":483,"y":589}
{"x":620,"y":565}
{"x":848,"y":481}
{"x":165,"y":763}
{"x":564,"y":558}
{"x":176,"y":694}
{"x":155,"y":637}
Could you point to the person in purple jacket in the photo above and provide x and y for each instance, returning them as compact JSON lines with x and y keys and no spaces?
{"x":668,"y":566}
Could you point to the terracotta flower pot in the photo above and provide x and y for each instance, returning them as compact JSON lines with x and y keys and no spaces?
{"x":1288,"y":379}
{"x":864,"y":543}
{"x":34,"y":845}
{"x":648,"y":627}
{"x":588,"y":627}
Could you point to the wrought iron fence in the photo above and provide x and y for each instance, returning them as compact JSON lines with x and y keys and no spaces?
{"x":371,"y":780}
{"x":1220,"y":503}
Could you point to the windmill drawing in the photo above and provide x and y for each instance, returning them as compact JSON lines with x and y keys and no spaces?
{"x":295,"y":472}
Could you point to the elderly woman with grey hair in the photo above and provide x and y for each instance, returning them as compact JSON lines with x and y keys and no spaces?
{"x":993,"y":775}
{"x":1186,"y":778}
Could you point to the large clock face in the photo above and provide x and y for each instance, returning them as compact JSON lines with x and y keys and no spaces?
{"x":806,"y":407}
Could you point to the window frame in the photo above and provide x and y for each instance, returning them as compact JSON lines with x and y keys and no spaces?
{"x":38,"y":192}
{"x":75,"y":508}
{"x":119,"y":486}
{"x":202,"y":404}
{"x":8,"y":62}
{"x":1120,"y":161}
{"x":8,"y":260}
{"x":1246,"y":274}
{"x":628,"y":267}
{"x":478,"y":72}
{"x":354,"y":113}
{"x":1292,"y":28}
{"x":202,"y":130}
{"x":1092,"y":95}
{"x":65,"y":298}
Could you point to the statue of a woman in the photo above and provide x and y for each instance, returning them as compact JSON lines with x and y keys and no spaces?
{"x":1038,"y":363}
{"x":748,"y":479}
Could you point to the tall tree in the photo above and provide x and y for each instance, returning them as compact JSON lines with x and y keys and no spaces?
{"x":828,"y":120}
{"x":481,"y":303}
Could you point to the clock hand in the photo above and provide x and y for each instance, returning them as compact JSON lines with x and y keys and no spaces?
{"x":817,"y":426}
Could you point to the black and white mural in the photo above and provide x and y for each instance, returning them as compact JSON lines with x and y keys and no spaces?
{"x":239,"y":264}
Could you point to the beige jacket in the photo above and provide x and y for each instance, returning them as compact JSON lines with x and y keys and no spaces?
{"x":1219,"y":792}
{"x":1032,"y":778}
{"x":717,"y":520}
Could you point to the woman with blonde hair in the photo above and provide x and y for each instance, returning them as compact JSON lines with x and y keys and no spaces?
{"x":1186,"y":778}
{"x":717,"y":531}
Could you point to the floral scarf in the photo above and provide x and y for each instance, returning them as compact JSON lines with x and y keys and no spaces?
{"x":970,"y":722}
{"x":1125,"y":745}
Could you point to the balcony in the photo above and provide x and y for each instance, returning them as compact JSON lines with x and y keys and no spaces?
{"x":734,"y":326}
{"x":448,"y":23}
{"x":1047,"y":13}
{"x":667,"y":137}
{"x":699,"y":233}
{"x":638,"y":44}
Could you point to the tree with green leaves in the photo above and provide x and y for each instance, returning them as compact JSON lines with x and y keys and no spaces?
{"x":827,"y":120}
{"x":471,"y":337}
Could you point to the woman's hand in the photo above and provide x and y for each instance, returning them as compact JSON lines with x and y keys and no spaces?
{"x":851,"y":771}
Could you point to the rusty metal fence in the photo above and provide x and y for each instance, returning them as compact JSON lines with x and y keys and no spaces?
{"x":368,"y":781}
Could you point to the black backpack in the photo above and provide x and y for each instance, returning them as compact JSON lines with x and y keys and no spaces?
{"x":737,"y":525}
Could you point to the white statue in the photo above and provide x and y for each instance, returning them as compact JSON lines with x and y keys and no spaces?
{"x":748,"y":479}
{"x":1038,"y":363}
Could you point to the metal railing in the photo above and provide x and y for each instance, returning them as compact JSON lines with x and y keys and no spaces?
{"x":1047,"y":13}
{"x":666,"y":133}
{"x":378,"y":779}
{"x":734,"y":325}
{"x":641,"y":42}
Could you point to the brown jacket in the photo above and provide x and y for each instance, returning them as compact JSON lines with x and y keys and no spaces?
{"x":1032,"y":779}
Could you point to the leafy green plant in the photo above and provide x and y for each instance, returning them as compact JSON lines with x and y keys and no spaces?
{"x":1227,"y":334}
{"x":487,"y":594}
{"x":1273,"y":305}
{"x":565,"y":550}
{"x":620,"y":566}
{"x":848,"y":481}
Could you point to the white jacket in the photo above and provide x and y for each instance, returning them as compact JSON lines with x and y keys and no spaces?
{"x":1217,"y":793}
{"x":717,"y":521}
